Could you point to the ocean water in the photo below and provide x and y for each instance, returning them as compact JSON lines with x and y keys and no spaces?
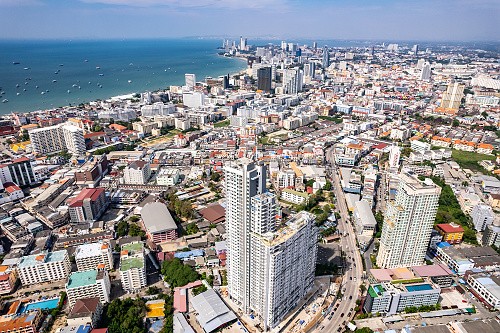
{"x":83,"y":66}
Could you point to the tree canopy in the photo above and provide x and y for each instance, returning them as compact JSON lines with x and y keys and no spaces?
{"x":125,"y":316}
{"x":177,"y":274}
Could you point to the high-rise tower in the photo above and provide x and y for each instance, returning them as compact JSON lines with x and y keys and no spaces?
{"x":269,"y":269}
{"x":408,"y":222}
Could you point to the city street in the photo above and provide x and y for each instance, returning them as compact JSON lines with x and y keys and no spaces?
{"x":352,"y":268}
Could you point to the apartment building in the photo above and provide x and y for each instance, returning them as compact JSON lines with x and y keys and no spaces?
{"x":132,"y":267}
{"x":94,"y":256}
{"x":294,"y":197}
{"x":408,"y":222}
{"x":86,"y":284}
{"x":88,"y":205}
{"x":269,"y":269}
{"x":158,"y":222}
{"x":137,"y":172}
{"x":58,"y":138}
{"x":482,"y":216}
{"x":44,"y":267}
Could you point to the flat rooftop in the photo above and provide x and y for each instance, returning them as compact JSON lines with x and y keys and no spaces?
{"x":130,"y":263}
{"x":42,"y":258}
{"x":157,"y":218}
{"x":90,"y":250}
{"x":81,"y":279}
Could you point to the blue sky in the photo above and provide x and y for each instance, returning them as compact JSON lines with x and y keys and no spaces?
{"x":326,"y":19}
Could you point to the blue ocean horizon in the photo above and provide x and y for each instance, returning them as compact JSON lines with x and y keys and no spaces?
{"x":74,"y":72}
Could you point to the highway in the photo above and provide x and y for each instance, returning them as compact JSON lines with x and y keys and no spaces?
{"x":343,"y":311}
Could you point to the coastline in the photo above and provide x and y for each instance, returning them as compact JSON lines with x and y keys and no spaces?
{"x":127,"y":70}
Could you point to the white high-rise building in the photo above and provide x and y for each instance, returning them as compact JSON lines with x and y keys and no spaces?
{"x":86,"y":284}
{"x":243,"y":43}
{"x":408,"y":222}
{"x":54,"y":139}
{"x":482,"y":216}
{"x":44,"y":267}
{"x":190,"y":80}
{"x":394,"y":156}
{"x":425,"y":75}
{"x":269,"y":270}
{"x":292,"y":81}
{"x":94,"y":256}
{"x":132,"y":267}
{"x":420,"y":63}
{"x":453,"y":95}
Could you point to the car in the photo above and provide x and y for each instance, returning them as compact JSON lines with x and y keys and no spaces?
{"x":342,"y":314}
{"x":350,"y":277}
{"x":350,"y":297}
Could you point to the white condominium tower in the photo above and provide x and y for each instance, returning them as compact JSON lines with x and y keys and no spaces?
{"x":408,"y":222}
{"x":269,"y":269}
{"x":243,"y":180}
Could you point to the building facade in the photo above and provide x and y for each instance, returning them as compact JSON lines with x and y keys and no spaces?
{"x":408,"y":223}
{"x":132,"y":267}
{"x":44,"y":267}
{"x":94,"y":256}
{"x":86,"y":284}
{"x":58,"y":138}
{"x":88,"y":205}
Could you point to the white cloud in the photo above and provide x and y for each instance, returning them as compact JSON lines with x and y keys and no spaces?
{"x":229,"y":4}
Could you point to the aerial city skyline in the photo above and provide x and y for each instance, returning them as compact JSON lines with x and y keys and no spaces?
{"x":281,"y":166}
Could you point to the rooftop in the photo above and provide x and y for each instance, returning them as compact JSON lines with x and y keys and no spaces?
{"x":157,"y":218}
{"x":44,"y":257}
{"x":212,"y":311}
{"x":130,"y":263}
{"x":81,"y":279}
{"x":90,"y":250}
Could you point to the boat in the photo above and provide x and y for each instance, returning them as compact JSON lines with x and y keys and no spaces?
{"x":79,"y":87}
{"x":69,"y":91}
{"x":5,"y":100}
{"x":61,"y":65}
{"x":86,"y":60}
{"x":42,"y":93}
{"x":17,"y":85}
{"x":24,"y":89}
{"x":17,"y":94}
{"x":36,"y":87}
{"x":129,"y":81}
{"x":15,"y":62}
{"x":54,"y":81}
{"x":26,"y":68}
{"x":101,"y":74}
{"x":56,"y":72}
{"x":97,"y":67}
{"x":75,"y":85}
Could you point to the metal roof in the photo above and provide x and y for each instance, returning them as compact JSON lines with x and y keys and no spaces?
{"x":157,"y":218}
{"x":212,"y":312}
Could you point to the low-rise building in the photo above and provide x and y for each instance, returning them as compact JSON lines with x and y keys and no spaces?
{"x":8,"y":279}
{"x":452,"y":233}
{"x":158,"y":222}
{"x":168,"y":177}
{"x":390,"y":297}
{"x":486,"y":288}
{"x":363,"y":217}
{"x":85,"y":311}
{"x":94,"y":256}
{"x":28,"y":322}
{"x":44,"y":267}
{"x":294,"y":197}
{"x":461,"y":259}
{"x":132,"y":267}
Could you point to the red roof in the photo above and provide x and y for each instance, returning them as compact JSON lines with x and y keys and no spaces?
{"x":450,"y":228}
{"x":11,"y":187}
{"x":20,"y":159}
{"x":87,"y":193}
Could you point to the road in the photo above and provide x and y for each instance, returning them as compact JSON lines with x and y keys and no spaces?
{"x":353,"y":267}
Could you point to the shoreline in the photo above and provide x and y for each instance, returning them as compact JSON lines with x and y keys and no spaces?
{"x":232,"y":69}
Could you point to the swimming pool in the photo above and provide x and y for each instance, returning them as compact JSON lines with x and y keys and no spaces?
{"x":42,"y":305}
{"x":419,"y":287}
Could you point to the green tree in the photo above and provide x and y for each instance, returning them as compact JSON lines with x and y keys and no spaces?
{"x":122,"y":228}
{"x":192,"y":228}
{"x":199,"y":290}
{"x":176,"y":274}
{"x":134,"y":230}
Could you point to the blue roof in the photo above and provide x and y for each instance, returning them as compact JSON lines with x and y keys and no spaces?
{"x":443,"y":244}
{"x":193,"y":253}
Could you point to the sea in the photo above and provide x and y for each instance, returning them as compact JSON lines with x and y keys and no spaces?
{"x":73,"y":72}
